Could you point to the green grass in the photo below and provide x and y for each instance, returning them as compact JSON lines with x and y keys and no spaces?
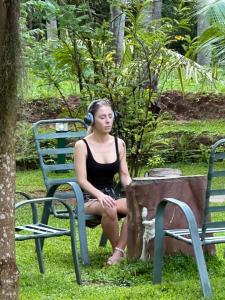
{"x":35,"y":87}
{"x":30,"y":182}
{"x":191,"y":85}
{"x":190,"y":169}
{"x":209,"y":127}
{"x":129,"y":280}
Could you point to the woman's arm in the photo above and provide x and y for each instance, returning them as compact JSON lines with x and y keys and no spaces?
{"x":124,"y":173}
{"x":80,"y":156}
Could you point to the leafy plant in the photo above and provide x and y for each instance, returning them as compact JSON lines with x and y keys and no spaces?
{"x":212,"y":39}
{"x":155,"y":162}
{"x":86,"y":55}
{"x":25,"y":149}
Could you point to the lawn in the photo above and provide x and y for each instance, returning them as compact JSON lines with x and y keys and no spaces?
{"x":129,"y":280}
{"x":37,"y":88}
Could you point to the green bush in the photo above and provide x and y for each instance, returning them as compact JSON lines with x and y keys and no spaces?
{"x":188,"y":147}
{"x":26,"y":157}
{"x":186,"y":141}
{"x":170,"y":143}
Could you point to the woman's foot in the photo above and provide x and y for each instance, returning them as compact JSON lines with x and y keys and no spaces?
{"x":118,"y":254}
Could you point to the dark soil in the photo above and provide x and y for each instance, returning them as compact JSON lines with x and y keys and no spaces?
{"x":190,"y":106}
{"x":193,"y":106}
{"x":52,"y":108}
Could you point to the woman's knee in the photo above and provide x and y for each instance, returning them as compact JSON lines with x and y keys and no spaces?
{"x":110,"y":212}
{"x":122,"y":206}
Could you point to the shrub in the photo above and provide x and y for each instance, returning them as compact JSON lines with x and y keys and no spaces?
{"x":26,"y":157}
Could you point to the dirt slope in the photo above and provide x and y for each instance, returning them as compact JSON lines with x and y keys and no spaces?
{"x":191,"y":106}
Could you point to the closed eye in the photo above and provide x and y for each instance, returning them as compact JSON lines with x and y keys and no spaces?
{"x":102,"y":117}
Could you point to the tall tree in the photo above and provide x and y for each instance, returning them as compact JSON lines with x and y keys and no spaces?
{"x":118,"y":27}
{"x":9,"y":66}
{"x":203,"y":57}
{"x":157,"y":9}
{"x":151,"y":12}
{"x":213,"y":36}
{"x":51,"y":27}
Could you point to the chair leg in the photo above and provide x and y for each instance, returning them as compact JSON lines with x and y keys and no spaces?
{"x":103,"y":240}
{"x":198,"y":252}
{"x":45,"y":218}
{"x":202,"y":269}
{"x":83,"y":239}
{"x":39,"y":255}
{"x":74,"y":251}
{"x":197,"y":245}
{"x":158,"y":249}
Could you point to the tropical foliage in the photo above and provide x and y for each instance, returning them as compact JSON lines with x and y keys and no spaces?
{"x":213,"y":37}
{"x":85,"y":53}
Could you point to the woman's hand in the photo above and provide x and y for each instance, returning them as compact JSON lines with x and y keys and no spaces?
{"x":106,"y":200}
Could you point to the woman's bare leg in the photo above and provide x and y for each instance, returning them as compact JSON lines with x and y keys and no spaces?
{"x":109,"y":221}
{"x":118,"y":252}
{"x":110,"y":226}
{"x":122,"y":209}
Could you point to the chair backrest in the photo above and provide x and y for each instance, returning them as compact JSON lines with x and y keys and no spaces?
{"x":215,"y":189}
{"x":54,"y":140}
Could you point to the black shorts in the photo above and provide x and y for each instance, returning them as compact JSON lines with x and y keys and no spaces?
{"x":108,"y":191}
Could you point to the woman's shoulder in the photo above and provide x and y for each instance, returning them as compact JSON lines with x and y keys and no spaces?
{"x":120,"y":142}
{"x":80,"y":144}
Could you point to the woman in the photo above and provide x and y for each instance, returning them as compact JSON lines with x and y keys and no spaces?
{"x":98,"y":157}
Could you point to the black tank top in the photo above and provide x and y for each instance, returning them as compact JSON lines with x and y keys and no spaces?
{"x":101,"y":175}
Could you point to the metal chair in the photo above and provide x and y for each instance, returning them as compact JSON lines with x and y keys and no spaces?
{"x":197,"y":237}
{"x":54,"y":140}
{"x":38,"y":231}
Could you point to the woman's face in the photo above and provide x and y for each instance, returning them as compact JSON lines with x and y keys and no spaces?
{"x":103,"y":119}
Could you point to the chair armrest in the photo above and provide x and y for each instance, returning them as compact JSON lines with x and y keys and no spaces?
{"x":192,"y":224}
{"x":182,"y":205}
{"x":25,"y":195}
{"x":41,"y":200}
{"x":35,"y":201}
{"x":76,"y":190}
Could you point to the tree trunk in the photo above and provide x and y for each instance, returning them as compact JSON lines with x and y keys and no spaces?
{"x":118,"y":27}
{"x":52,"y":30}
{"x":9,"y":53}
{"x":204,"y":56}
{"x":151,"y":12}
{"x":157,"y":9}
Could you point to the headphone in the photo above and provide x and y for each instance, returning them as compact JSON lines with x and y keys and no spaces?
{"x":89,"y":118}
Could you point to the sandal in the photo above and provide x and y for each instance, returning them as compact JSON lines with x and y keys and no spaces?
{"x":111,"y":261}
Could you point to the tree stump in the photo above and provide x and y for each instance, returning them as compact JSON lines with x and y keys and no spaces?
{"x":148,"y":192}
{"x":163,"y":172}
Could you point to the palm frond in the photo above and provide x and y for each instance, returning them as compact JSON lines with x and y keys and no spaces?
{"x":213,"y":9}
{"x":192,"y":69}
